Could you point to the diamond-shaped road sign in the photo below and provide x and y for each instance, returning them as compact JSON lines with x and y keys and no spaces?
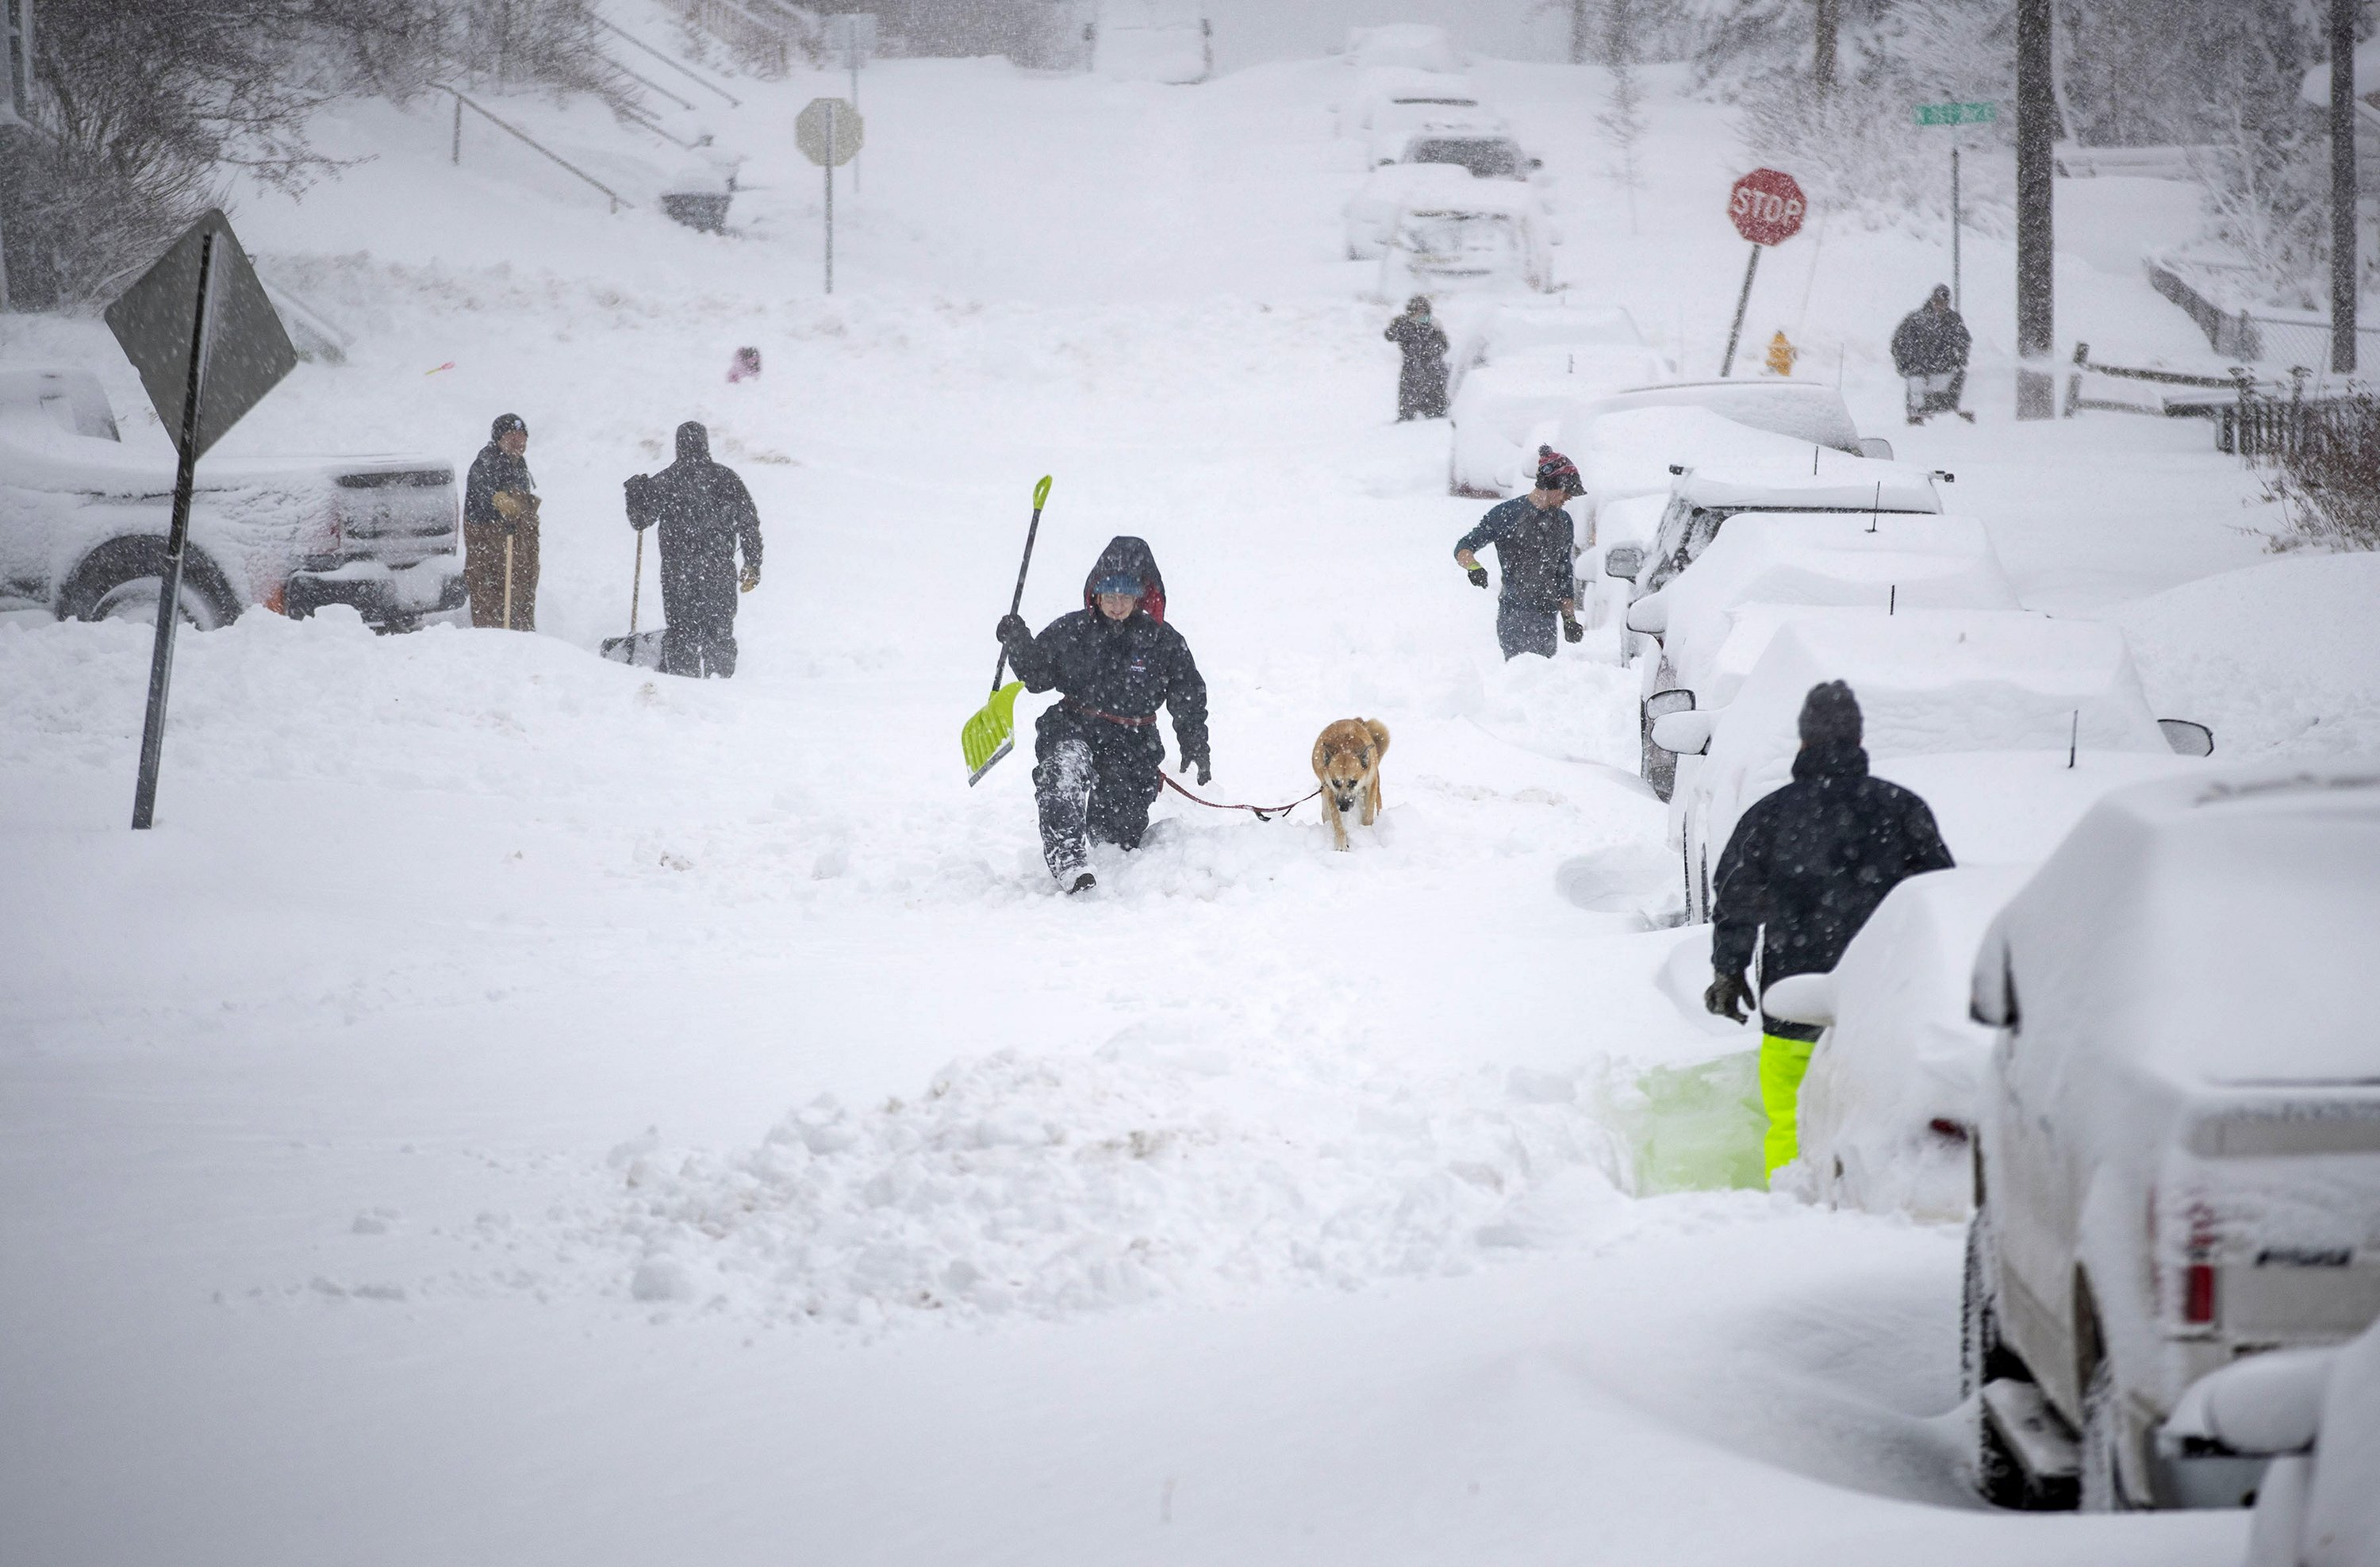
{"x":247,"y":349}
{"x":828,"y":131}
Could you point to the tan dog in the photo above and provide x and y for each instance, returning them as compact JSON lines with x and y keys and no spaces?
{"x":1347,"y":761}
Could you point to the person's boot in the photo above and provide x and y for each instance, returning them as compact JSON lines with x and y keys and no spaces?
{"x":1084,"y":882}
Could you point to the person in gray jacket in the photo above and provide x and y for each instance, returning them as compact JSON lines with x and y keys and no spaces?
{"x":1534,"y":541}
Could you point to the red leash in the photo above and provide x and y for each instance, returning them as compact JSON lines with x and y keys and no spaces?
{"x":1263,"y":813}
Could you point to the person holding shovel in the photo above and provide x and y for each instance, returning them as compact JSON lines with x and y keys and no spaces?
{"x":500,"y":530}
{"x":1113,"y":662}
{"x":705,"y":515}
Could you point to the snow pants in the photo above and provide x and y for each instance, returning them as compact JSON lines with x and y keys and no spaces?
{"x":483,"y":574}
{"x":1421,"y":390}
{"x":1094,"y":781}
{"x":1783,"y":1062}
{"x":699,"y":603}
{"x":1519,"y":629}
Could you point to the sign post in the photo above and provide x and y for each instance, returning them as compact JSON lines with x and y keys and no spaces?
{"x":16,"y":92}
{"x":208,"y":344}
{"x":829,"y":132}
{"x":1957,"y":115}
{"x":852,"y":34}
{"x":1766,"y":206}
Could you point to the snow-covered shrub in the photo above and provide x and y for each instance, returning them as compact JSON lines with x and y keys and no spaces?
{"x":2329,"y":483}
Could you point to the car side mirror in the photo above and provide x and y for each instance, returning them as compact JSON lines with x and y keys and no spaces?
{"x":1623,"y":561}
{"x":1684,"y":734}
{"x":1649,"y":615}
{"x":1802,"y":997}
{"x":1991,"y":1000}
{"x":1879,"y":448}
{"x":2187,"y":739}
{"x":1537,"y":162}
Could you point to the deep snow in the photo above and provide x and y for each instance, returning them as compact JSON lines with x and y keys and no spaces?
{"x":416,"y":1149}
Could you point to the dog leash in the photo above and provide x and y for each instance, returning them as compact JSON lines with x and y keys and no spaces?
{"x":1263,"y":813}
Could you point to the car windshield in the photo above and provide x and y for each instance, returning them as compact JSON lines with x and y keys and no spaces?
{"x":1489,"y":158}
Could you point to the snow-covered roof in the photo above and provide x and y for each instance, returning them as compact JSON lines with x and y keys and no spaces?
{"x":1628,"y":449}
{"x":1820,"y":476}
{"x":1512,"y":328}
{"x":1801,"y":411}
{"x":2212,"y":929}
{"x":1773,"y":562}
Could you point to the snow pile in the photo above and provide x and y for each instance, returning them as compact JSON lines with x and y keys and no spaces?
{"x":1051,"y":1185}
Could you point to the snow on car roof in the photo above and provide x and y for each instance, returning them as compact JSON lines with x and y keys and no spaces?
{"x":2214,"y":929}
{"x":1807,"y":413}
{"x":1513,"y":328}
{"x":1475,"y":197}
{"x":2015,"y":807}
{"x":1773,"y":562}
{"x":1630,"y":451}
{"x":1404,"y":182}
{"x":1819,"y":477}
{"x":1944,"y":680}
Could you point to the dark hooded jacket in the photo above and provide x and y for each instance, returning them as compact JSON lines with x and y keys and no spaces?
{"x":1930,"y":342}
{"x":1421,"y":384}
{"x":1536,"y":549}
{"x":704,"y":513}
{"x":494,"y":470}
{"x":1118,"y":669}
{"x":1809,"y":863}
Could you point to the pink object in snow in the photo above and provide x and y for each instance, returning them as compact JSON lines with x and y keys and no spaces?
{"x":747,"y":365}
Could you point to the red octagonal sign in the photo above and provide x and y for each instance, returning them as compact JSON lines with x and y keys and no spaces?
{"x":1766,"y":206}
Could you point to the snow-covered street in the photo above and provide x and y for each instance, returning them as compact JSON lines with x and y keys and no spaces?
{"x":515,"y":1108}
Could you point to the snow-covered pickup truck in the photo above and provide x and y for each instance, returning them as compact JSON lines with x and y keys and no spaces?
{"x":2180,"y":1154}
{"x":83,"y":522}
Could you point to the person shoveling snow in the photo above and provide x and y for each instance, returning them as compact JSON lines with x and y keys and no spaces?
{"x":704,"y":513}
{"x":1929,"y":352}
{"x":1113,"y":662}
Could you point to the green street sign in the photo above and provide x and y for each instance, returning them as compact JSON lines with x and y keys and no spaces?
{"x":1957,"y":114}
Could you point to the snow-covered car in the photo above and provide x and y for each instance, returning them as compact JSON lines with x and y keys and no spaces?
{"x":1928,"y":681}
{"x":84,"y":519}
{"x":1887,"y":1109}
{"x":1488,"y":151}
{"x":1625,"y":524}
{"x":1506,"y":328}
{"x":1152,"y":40}
{"x":1778,"y":482}
{"x":1397,"y":128}
{"x":2314,"y":1416}
{"x":1504,"y":411}
{"x":1397,"y":89}
{"x":1799,"y":410}
{"x":1412,"y":45}
{"x":1490,"y":238}
{"x":1389,"y":192}
{"x":2179,"y":1144}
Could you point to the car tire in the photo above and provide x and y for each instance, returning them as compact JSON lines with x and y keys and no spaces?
{"x":2102,"y":1480}
{"x":122,"y":580}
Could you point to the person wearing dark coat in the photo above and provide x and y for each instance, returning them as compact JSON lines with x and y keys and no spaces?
{"x":1421,"y":385}
{"x":500,"y":502}
{"x":1114,"y":663}
{"x":704,"y":513}
{"x":1803,"y":869}
{"x":1929,"y":351}
{"x":1535,"y":546}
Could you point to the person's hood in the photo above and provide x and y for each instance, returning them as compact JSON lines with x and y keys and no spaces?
{"x":1130,"y":557}
{"x":693,"y":443}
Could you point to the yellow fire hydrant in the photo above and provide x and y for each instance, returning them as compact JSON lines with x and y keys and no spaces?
{"x":1781,"y":355}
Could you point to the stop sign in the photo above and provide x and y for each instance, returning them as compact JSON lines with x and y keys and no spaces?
{"x":1766,"y":206}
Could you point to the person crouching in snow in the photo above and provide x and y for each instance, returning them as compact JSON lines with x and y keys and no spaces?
{"x":1114,"y":663}
{"x":1536,"y":545}
{"x":704,"y":513}
{"x":1801,"y":872}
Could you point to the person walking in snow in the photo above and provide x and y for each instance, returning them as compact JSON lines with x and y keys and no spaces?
{"x":1421,"y":385}
{"x":500,"y":504}
{"x":1536,"y":547}
{"x":1929,"y":350}
{"x":1098,"y":760}
{"x":704,"y":513}
{"x":1803,"y":869}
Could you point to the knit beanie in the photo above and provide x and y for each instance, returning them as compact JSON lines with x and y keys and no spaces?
{"x":1830,"y":714}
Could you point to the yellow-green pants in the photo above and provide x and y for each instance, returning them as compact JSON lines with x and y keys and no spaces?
{"x":1782,"y":1063}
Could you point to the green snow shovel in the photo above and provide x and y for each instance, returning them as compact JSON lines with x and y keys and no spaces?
{"x":992,"y":733}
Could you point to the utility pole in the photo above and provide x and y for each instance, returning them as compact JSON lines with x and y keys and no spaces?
{"x":2342,"y":187}
{"x":2036,"y":137}
{"x":1578,"y":31}
{"x":1821,"y":62}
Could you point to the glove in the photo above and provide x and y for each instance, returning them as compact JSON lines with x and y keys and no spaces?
{"x":1206,"y":768}
{"x":1012,"y":631}
{"x":1571,"y":630}
{"x":1478,"y":574}
{"x":1727,"y":997}
{"x":750,"y":579}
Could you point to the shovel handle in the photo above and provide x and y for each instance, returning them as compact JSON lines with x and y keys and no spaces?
{"x":1017,"y":600}
{"x":637,"y":590}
